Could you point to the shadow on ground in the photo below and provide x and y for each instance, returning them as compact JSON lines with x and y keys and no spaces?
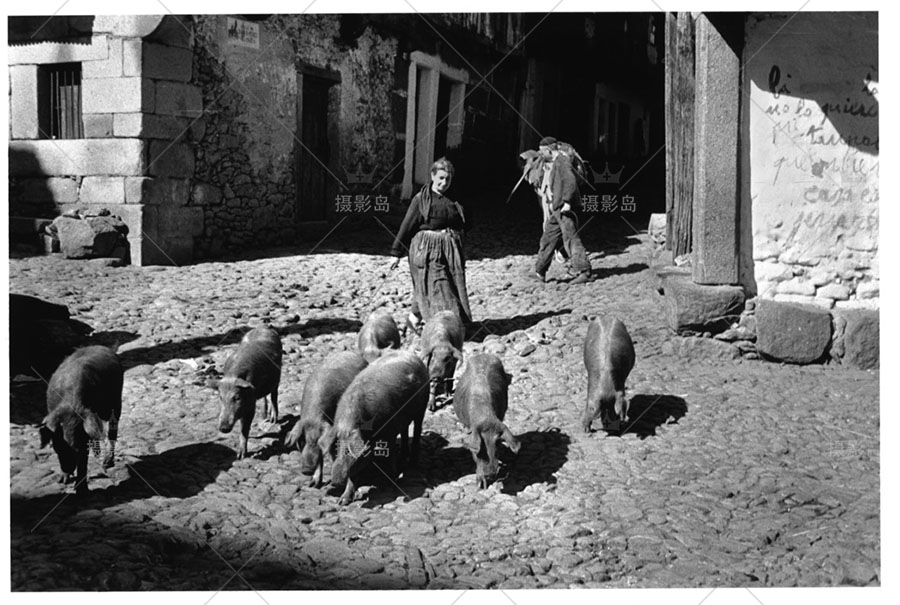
{"x":27,"y":401}
{"x":191,"y":348}
{"x":437,"y":464}
{"x":541,"y":455}
{"x":503,"y":326}
{"x":603,"y":272}
{"x":279,"y":432}
{"x":181,"y":472}
{"x":646,"y":413}
{"x":113,"y":338}
{"x":150,"y":556}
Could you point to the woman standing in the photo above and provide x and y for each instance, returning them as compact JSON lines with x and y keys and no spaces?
{"x":432,"y":233}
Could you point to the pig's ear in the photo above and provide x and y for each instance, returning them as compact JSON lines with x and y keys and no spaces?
{"x":48,"y":427}
{"x":425,"y":355}
{"x":295,"y":438}
{"x":473,"y":442}
{"x":510,"y":440}
{"x":327,"y":441}
{"x":242,"y":384}
{"x":457,"y":353}
{"x":93,"y":426}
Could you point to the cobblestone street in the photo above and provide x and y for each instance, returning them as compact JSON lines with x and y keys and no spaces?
{"x":733,"y":473}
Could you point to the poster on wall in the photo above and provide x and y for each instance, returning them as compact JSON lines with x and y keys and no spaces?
{"x":242,"y":33}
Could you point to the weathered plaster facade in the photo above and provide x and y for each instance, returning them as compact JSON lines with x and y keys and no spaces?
{"x":813,"y":156}
{"x":246,"y":180}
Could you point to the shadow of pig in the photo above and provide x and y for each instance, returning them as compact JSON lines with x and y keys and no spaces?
{"x":541,"y":455}
{"x":647,"y":412}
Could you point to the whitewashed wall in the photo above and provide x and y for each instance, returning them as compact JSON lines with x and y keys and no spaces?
{"x":811,"y":91}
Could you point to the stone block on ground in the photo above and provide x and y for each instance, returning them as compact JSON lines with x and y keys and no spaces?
{"x":791,"y":332}
{"x":695,"y":308}
{"x":660,"y":273}
{"x":856,"y":338}
{"x":89,"y":235}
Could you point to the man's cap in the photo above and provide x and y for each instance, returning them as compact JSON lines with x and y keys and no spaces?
{"x":547,"y":141}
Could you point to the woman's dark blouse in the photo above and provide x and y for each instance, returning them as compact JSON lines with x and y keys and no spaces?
{"x":443,"y":214}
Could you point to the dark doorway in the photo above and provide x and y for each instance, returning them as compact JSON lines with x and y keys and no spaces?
{"x":443,"y":118}
{"x":314,"y":149}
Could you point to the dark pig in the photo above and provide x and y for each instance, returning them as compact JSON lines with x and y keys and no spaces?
{"x":83,"y":393}
{"x":608,"y":358}
{"x":480,"y":403}
{"x":270,"y":336}
{"x":441,"y":346}
{"x":252,"y":372}
{"x":381,"y":402}
{"x":321,"y":393}
{"x":379,"y":332}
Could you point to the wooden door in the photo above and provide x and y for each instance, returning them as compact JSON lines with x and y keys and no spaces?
{"x":315,"y":151}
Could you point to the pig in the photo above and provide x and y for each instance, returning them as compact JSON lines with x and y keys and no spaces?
{"x":480,"y":403}
{"x":441,"y":349}
{"x":382,"y":400}
{"x":379,"y":332}
{"x":608,"y":358}
{"x":321,"y":393}
{"x":83,"y":393}
{"x":252,"y":372}
{"x":270,"y":336}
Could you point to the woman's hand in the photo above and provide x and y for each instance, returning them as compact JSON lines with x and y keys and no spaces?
{"x":394,"y":264}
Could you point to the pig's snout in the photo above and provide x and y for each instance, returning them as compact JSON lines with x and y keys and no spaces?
{"x":338,"y":474}
{"x":487,"y":473}
{"x":309,"y":460}
{"x":226,"y":421}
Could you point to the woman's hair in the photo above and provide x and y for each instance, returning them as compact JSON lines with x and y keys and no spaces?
{"x":442,"y":164}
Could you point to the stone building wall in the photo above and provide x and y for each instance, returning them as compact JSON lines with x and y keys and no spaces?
{"x":135,"y":158}
{"x":245,"y":179}
{"x":813,"y":157}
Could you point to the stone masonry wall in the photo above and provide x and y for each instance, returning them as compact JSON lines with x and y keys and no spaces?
{"x":245,"y":180}
{"x":135,"y":158}
{"x":814,"y":157}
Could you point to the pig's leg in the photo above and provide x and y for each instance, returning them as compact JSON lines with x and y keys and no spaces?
{"x":317,"y":475}
{"x":266,"y":413}
{"x":403,"y":461}
{"x":349,"y":490}
{"x":448,"y":381}
{"x":432,"y":394}
{"x":273,"y":417}
{"x":590,"y":412}
{"x":81,"y":488}
{"x":112,"y":434}
{"x":416,"y":438}
{"x":621,"y":406}
{"x":243,"y":436}
{"x":480,"y":480}
{"x":592,"y":405}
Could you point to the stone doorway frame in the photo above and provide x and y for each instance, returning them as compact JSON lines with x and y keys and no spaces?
{"x":423,"y":119}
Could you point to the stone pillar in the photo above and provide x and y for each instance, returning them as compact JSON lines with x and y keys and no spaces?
{"x":717,"y":122}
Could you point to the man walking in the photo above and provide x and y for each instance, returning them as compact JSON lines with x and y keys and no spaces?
{"x":559,"y":198}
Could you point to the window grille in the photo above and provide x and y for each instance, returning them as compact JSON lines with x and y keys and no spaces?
{"x":59,"y":101}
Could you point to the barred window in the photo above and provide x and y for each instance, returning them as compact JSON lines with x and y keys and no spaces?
{"x":59,"y":101}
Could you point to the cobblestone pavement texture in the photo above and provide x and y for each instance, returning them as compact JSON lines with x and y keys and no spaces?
{"x":734,"y":473}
